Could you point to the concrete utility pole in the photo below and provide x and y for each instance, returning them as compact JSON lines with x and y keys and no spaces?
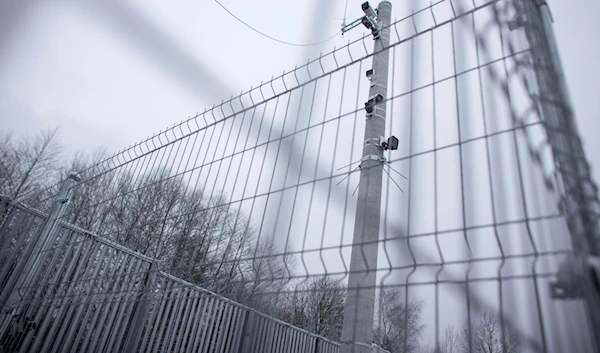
{"x":357,"y":332}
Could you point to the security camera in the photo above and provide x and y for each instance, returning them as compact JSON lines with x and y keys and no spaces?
{"x":374,"y":99}
{"x":390,"y":144}
{"x":368,"y":10}
{"x":370,"y":19}
{"x":369,"y":23}
{"x":369,"y":74}
{"x":372,"y":25}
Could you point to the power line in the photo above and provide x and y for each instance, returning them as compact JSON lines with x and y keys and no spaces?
{"x":272,"y":38}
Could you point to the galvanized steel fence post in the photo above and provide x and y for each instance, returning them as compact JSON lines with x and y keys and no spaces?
{"x":357,"y":332}
{"x":27,"y":268}
{"x":34,"y":254}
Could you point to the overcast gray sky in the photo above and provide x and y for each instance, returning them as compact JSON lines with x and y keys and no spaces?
{"x":111,"y":74}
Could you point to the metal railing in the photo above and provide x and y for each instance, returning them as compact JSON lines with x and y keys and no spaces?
{"x":91,"y":294}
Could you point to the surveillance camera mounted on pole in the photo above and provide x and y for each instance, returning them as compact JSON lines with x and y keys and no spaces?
{"x":369,"y":20}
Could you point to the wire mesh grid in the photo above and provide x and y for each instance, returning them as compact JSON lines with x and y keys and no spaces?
{"x":254,"y":201}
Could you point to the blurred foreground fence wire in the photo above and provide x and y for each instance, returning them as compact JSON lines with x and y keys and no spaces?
{"x":232,"y":231}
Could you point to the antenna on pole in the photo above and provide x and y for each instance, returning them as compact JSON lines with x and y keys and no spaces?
{"x":357,"y":331}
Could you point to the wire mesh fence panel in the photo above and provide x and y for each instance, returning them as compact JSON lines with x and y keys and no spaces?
{"x":235,"y":230}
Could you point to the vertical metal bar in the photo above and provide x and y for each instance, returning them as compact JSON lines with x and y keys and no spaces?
{"x":90,"y":296}
{"x":240,"y":321}
{"x":305,"y":345}
{"x":125,"y":310}
{"x":191,"y":326}
{"x":357,"y":331}
{"x":283,"y":334}
{"x":10,"y":210}
{"x":57,"y":319}
{"x":105,"y":321}
{"x":273,"y":337}
{"x":42,"y":308}
{"x":249,"y":326}
{"x":157,"y":314}
{"x":261,"y":335}
{"x":12,"y":265}
{"x":102,"y":307}
{"x":302,"y":343}
{"x":203,"y":326}
{"x":54,"y":253}
{"x":4,"y":214}
{"x":182,"y":302}
{"x":127,"y":318}
{"x":298,"y":337}
{"x":265,"y":336}
{"x":65,"y":315}
{"x":166,"y":316}
{"x":209,"y":325}
{"x":219,"y":328}
{"x":287,"y":345}
{"x":75,"y":315}
{"x":294,"y":341}
{"x":290,"y":340}
{"x":201,"y":310}
{"x":230,"y":328}
{"x":187,"y":321}
{"x":224,"y":331}
{"x":212,"y":338}
{"x":105,"y":305}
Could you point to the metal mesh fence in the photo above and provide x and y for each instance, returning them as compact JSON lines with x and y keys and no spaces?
{"x":255,"y":200}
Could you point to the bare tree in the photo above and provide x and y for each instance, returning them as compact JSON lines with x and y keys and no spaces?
{"x":30,"y":165}
{"x":398,"y":326}
{"x":487,"y":337}
{"x":427,"y":348}
{"x":7,"y":161}
{"x":262,"y":272}
{"x":317,"y":305}
{"x":451,"y":341}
